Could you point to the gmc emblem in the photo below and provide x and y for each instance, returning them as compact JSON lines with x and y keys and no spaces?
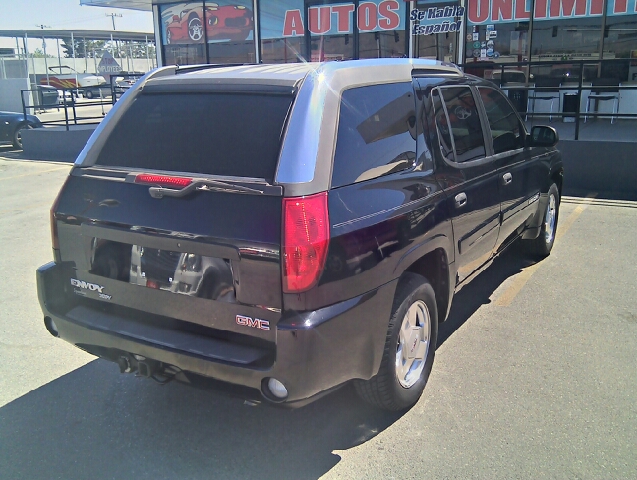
{"x":254,"y":323}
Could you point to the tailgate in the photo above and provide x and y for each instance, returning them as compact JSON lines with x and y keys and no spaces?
{"x":211,"y":257}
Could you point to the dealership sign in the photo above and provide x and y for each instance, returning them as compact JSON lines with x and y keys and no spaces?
{"x":339,"y":18}
{"x":436,"y":20}
{"x":501,"y":11}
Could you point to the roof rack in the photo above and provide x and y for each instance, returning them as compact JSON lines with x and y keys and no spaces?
{"x":434,"y":71}
{"x":205,"y":66}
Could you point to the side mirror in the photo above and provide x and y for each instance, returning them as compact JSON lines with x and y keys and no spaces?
{"x":543,"y":136}
{"x":176,"y":18}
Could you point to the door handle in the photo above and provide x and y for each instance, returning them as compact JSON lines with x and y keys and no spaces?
{"x":507,"y":178}
{"x":461,"y":200}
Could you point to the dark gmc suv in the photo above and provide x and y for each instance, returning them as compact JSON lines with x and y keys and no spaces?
{"x":281,"y":230}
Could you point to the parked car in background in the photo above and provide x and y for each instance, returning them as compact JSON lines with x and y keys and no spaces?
{"x":12,"y":124}
{"x":98,"y":91}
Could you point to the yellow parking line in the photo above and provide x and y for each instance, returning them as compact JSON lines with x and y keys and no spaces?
{"x":518,"y":282}
{"x":35,"y":173}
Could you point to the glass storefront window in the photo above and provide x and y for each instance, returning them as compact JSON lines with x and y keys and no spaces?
{"x":435,"y":30}
{"x":230,"y":31}
{"x":620,"y":42}
{"x":566,"y":39}
{"x":505,"y":42}
{"x":334,"y":28}
{"x":282,"y":28}
{"x":282,"y":50}
{"x":182,"y":33}
{"x":214,"y":32}
{"x":382,"y":44}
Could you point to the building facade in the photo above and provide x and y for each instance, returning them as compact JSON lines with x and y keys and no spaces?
{"x":463,"y":32}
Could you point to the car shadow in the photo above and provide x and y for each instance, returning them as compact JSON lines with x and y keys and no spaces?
{"x":478,"y":292}
{"x":96,"y":423}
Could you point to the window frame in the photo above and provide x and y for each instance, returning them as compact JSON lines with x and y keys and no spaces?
{"x":488,"y":125}
{"x":488,"y":147}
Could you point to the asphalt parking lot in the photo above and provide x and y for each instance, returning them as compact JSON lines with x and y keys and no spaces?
{"x":535,"y":377}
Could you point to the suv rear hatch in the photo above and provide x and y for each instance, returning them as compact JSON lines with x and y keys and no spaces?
{"x":175,"y":223}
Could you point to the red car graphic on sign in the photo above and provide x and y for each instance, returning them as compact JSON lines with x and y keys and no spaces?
{"x":231,"y":22}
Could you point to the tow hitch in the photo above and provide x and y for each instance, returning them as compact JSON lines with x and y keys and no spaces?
{"x":144,"y":367}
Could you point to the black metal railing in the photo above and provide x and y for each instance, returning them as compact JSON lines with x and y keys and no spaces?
{"x":599,"y":80}
{"x":45,"y":98}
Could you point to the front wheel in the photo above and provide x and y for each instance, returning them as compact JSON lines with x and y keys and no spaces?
{"x":17,"y":135}
{"x":88,"y":94}
{"x":409,"y":349}
{"x":542,"y":245}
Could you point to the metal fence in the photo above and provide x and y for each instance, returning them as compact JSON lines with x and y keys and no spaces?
{"x":564,"y":82}
{"x":44,"y":98}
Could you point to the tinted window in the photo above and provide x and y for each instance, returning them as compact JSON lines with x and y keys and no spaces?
{"x":462,"y":123}
{"x":376,"y":133}
{"x":209,"y":133}
{"x":506,"y":130}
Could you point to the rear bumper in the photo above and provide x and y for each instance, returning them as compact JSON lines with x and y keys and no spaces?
{"x":314,"y":352}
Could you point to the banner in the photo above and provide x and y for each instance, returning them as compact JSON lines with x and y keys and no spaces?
{"x":223,"y":21}
{"x":506,"y":11}
{"x":286,"y":18}
{"x":436,"y":20}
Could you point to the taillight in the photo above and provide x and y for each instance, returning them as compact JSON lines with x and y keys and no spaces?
{"x":55,"y":240}
{"x":163,"y":180}
{"x":306,"y":235}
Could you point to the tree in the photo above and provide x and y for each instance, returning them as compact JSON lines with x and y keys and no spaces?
{"x":38,"y":53}
{"x":90,"y":46}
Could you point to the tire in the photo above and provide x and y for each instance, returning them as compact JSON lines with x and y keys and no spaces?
{"x":17,"y":135}
{"x":541,"y":246}
{"x":168,"y":36}
{"x":88,"y":94}
{"x":401,"y":380}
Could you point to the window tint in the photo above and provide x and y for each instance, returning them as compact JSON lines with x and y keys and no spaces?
{"x":210,"y":133}
{"x":376,"y":133}
{"x":462,"y":124}
{"x":506,"y":129}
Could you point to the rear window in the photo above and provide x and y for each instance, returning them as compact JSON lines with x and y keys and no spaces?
{"x":209,"y":133}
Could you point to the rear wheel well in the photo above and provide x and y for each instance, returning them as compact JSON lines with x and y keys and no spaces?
{"x":435,"y":268}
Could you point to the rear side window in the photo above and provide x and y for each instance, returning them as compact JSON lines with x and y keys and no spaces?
{"x":459,"y":125}
{"x":376,"y":133}
{"x":209,"y":133}
{"x":506,"y":129}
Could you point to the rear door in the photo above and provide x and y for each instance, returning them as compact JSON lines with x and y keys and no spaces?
{"x":177,"y":216}
{"x":468,"y":176}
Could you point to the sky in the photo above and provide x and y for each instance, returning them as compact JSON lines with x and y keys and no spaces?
{"x":66,"y":14}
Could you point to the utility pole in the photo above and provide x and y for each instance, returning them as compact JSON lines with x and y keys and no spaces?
{"x":113,"y":15}
{"x":46,"y":64}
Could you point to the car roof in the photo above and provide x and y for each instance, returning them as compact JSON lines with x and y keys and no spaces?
{"x":355,"y":72}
